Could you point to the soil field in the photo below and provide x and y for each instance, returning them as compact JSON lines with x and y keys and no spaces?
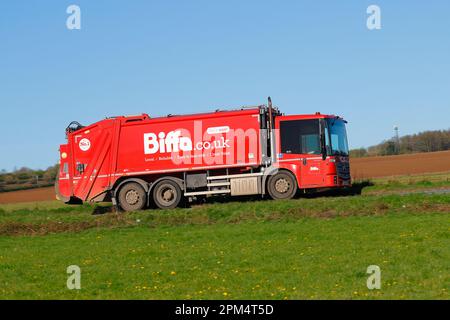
{"x":32,"y":195}
{"x":411,"y":164}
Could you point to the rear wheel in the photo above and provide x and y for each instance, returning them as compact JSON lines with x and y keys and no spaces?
{"x":282,"y":186}
{"x":167,"y":194}
{"x":132,"y":197}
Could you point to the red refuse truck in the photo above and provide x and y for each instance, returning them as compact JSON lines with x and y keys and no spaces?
{"x":139,"y":161}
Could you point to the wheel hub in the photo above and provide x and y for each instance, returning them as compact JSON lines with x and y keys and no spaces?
{"x":167,"y":195}
{"x":132,"y":197}
{"x":282,"y":185}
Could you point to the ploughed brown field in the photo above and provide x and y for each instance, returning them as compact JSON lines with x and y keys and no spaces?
{"x":409,"y":164}
{"x":362,"y":168}
{"x":32,"y":195}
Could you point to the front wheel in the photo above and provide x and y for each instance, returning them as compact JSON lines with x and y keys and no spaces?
{"x":167,"y":194}
{"x":282,"y":186}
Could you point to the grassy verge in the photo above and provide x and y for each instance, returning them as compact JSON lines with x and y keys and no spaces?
{"x":306,"y":258}
{"x":309,"y":248}
{"x":41,"y":221}
{"x":405,"y":184}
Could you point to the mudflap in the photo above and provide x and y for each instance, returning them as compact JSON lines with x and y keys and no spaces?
{"x":66,"y":200}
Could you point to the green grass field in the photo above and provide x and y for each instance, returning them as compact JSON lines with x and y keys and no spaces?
{"x":308,"y":248}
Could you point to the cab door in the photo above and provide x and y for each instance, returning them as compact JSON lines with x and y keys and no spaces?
{"x":300,"y":141}
{"x":312,"y":172}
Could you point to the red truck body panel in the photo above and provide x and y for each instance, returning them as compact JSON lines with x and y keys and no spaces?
{"x":132,"y":146}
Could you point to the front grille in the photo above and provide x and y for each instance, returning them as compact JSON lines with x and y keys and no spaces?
{"x":343,"y":170}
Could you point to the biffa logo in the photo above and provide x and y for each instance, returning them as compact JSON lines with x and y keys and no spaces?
{"x":170,"y":143}
{"x":174,"y":142}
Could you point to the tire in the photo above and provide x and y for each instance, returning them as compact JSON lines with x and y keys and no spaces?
{"x":282,"y":185}
{"x":167,"y":194}
{"x":132,"y":197}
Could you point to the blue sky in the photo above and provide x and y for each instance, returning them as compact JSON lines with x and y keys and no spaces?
{"x":162,"y":57}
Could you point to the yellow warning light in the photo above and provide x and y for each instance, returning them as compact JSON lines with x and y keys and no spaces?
{"x":64,"y":155}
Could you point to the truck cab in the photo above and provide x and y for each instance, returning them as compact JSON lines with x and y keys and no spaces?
{"x":315,"y":148}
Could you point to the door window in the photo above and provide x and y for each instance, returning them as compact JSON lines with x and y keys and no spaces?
{"x":300,"y":136}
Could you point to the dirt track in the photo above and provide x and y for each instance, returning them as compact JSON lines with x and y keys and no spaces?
{"x":373,"y":167}
{"x":362,"y":168}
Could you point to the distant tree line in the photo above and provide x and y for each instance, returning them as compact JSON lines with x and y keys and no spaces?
{"x":25,"y":178}
{"x":428,"y":141}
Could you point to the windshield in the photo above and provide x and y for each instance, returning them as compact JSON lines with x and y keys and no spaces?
{"x":337,"y":144}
